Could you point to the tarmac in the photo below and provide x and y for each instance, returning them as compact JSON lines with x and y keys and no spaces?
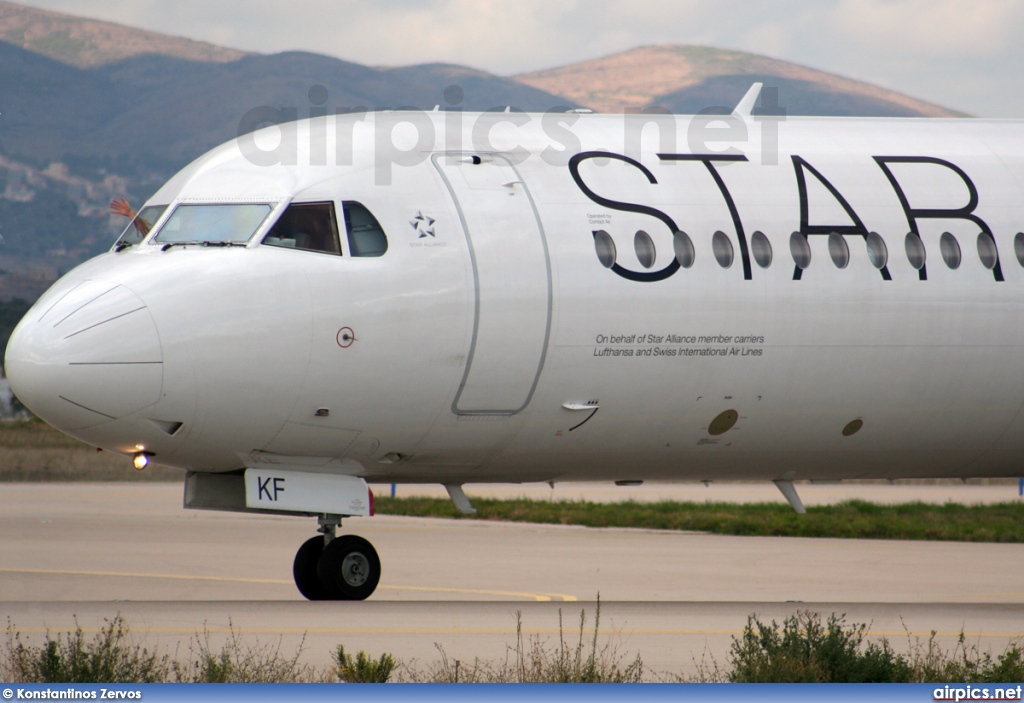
{"x":83,"y":553}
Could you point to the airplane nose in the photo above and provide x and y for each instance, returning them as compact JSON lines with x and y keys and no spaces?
{"x":91,"y":357}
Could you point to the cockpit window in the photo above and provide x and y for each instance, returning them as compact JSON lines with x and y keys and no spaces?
{"x":140,"y":225}
{"x":365,"y":235}
{"x":307,"y":226}
{"x":229,"y":224}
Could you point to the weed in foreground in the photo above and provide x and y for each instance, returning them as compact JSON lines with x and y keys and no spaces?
{"x":111,"y":656}
{"x":237,"y":661}
{"x":534,"y":660}
{"x":803,"y":649}
{"x":932,"y":664}
{"x":362,"y":669}
{"x":807,"y":651}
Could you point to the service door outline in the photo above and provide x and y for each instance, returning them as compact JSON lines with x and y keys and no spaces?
{"x":511,"y":278}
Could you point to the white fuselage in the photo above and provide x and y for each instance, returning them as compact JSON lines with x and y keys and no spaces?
{"x":492,"y":343}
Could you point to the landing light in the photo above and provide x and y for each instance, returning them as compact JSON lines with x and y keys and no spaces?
{"x":141,"y":460}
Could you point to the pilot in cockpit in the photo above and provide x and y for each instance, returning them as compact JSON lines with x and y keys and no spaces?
{"x":120,"y":206}
{"x":306,"y":226}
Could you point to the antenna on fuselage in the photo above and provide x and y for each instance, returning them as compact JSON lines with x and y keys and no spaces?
{"x":789,"y":491}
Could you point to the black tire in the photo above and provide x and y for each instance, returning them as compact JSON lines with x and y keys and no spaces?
{"x":349,"y":568}
{"x":304,"y":569}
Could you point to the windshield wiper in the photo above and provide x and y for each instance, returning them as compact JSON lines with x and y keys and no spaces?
{"x":167,"y":246}
{"x":121,"y":246}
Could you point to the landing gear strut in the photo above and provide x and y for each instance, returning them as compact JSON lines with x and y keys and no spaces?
{"x":330,"y":568}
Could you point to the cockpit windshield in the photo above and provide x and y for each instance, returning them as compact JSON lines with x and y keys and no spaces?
{"x":213,"y":224}
{"x":140,"y":225}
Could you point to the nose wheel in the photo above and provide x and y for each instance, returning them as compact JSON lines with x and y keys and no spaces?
{"x":349,"y":568}
{"x":304,"y":569}
{"x":342,"y":568}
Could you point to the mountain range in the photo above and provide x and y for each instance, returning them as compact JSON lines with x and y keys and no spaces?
{"x":92,"y":110}
{"x":689,"y":79}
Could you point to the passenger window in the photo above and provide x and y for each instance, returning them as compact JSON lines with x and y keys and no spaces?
{"x":987,"y":251}
{"x":722,"y":249}
{"x":878,"y":253}
{"x":950,"y":250}
{"x":916,"y":254}
{"x":644,"y":246}
{"x":365,"y":235}
{"x":839,"y":250}
{"x":306,"y":226}
{"x":605,"y":246}
{"x":800,"y":248}
{"x":683,"y":246}
{"x":761,"y":248}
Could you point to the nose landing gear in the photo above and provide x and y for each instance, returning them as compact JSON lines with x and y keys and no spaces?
{"x":330,"y":568}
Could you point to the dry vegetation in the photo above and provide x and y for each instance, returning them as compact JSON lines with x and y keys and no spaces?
{"x":34,"y":451}
{"x":804,"y":649}
{"x":639,"y":77}
{"x":86,"y":43}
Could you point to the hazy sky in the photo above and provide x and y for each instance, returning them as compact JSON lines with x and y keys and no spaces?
{"x":963,"y":54}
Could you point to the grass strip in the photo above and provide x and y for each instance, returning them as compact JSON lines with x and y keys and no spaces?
{"x":34,"y":452}
{"x":859,"y":519}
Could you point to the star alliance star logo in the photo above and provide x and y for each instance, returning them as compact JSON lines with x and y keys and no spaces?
{"x":423,"y":225}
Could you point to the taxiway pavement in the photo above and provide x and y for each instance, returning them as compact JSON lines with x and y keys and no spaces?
{"x":91,"y":551}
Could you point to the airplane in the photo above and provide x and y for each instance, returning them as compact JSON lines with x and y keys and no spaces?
{"x":454,"y":298}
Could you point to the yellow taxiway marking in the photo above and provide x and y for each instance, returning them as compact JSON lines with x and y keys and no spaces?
{"x":539,"y":597}
{"x":472,"y":631}
{"x":120,"y":574}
